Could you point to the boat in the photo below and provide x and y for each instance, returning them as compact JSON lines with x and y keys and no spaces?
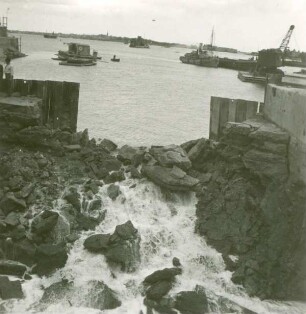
{"x":238,"y":64}
{"x":201,"y":57}
{"x":76,"y":50}
{"x":78,"y":62}
{"x":114,"y":59}
{"x":50,"y":35}
{"x":139,"y":42}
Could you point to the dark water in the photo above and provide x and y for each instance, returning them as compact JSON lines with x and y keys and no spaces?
{"x":150,"y":97}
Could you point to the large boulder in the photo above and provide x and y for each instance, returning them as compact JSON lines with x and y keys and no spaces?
{"x":113,"y":191}
{"x":159,"y":289}
{"x":173,"y":179}
{"x":122,"y":247}
{"x":73,"y":197}
{"x":108,"y":145}
{"x":191,"y":302}
{"x":10,"y":289}
{"x":95,"y":294}
{"x":14,"y":268}
{"x":130,"y":155}
{"x":11,"y":203}
{"x":49,"y":257}
{"x":44,"y":222}
{"x":171,"y":155}
{"x":166,"y":274}
{"x":97,"y":242}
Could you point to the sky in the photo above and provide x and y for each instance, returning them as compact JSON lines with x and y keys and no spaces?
{"x":247,"y":25}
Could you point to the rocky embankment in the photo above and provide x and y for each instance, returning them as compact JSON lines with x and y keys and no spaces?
{"x":248,"y":207}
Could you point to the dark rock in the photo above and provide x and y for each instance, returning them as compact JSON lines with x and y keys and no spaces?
{"x":135,"y":174}
{"x":188,"y":145}
{"x":115,"y":176}
{"x":173,"y":179}
{"x":95,"y":205}
{"x":49,"y":257}
{"x":159,"y":289}
{"x":73,"y":197}
{"x":108,"y":145}
{"x":18,"y":232}
{"x":12,"y":219}
{"x":197,"y":150}
{"x":124,"y":247}
{"x":110,"y":164}
{"x":86,"y":223}
{"x":113,"y":191}
{"x":166,"y":274}
{"x":10,"y":203}
{"x":71,"y":148}
{"x":172,"y":155}
{"x":8,"y":267}
{"x":44,"y":222}
{"x":191,"y":302}
{"x":97,"y":242}
{"x":176,"y":262}
{"x":131,"y":155}
{"x":57,"y":291}
{"x":10,"y":289}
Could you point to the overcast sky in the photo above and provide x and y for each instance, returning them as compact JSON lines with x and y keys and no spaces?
{"x":243,"y":24}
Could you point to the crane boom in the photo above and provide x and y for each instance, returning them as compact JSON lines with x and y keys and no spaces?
{"x":285,"y":42}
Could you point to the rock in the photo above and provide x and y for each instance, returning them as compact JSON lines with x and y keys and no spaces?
{"x":14,"y":268}
{"x":27,"y":190}
{"x":10,"y":289}
{"x":97,"y":242}
{"x":197,"y":150}
{"x":10,"y":203}
{"x":135,"y":174}
{"x":86,"y":223}
{"x":188,"y":145}
{"x":110,"y":164}
{"x":71,"y":148}
{"x":172,"y":155}
{"x":44,"y":222}
{"x":73,"y":197}
{"x":173,"y":179}
{"x":176,"y":262}
{"x":191,"y":302}
{"x":18,"y":232}
{"x":108,"y":145}
{"x":16,"y":183}
{"x":266,"y":164}
{"x":49,"y":257}
{"x":95,"y":294}
{"x":130,"y":155}
{"x":95,"y":205}
{"x":166,"y":274}
{"x":115,"y":176}
{"x":113,"y":191}
{"x":124,"y":247}
{"x":92,"y":186}
{"x":159,"y":289}
{"x":12,"y":219}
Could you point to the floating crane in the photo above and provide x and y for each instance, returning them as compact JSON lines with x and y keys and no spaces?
{"x":285,"y":42}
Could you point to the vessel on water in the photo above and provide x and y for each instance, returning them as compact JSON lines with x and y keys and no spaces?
{"x":78,"y":62}
{"x":115,"y":59}
{"x":202,"y":57}
{"x":77,"y":51}
{"x":50,"y":35}
{"x":139,"y":42}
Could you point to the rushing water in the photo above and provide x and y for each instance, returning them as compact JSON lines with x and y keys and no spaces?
{"x":166,"y":228}
{"x":150,"y":97}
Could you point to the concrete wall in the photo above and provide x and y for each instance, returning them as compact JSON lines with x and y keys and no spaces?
{"x":286,"y":107}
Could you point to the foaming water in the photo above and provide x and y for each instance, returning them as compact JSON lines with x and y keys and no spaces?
{"x":166,"y":226}
{"x":148,"y":98}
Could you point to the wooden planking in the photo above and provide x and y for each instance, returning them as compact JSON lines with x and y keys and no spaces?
{"x":59,"y":100}
{"x":224,"y":110}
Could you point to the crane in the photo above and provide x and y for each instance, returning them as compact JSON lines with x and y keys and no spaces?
{"x":285,"y":42}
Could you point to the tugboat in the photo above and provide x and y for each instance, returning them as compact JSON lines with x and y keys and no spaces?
{"x":78,"y":62}
{"x":115,"y":59}
{"x":200,"y":57}
{"x":139,"y":42}
{"x":50,"y":35}
{"x":77,"y":51}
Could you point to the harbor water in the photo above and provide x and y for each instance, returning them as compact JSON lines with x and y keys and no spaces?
{"x":149,"y":97}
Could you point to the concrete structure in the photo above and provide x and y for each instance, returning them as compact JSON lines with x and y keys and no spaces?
{"x":286,"y":107}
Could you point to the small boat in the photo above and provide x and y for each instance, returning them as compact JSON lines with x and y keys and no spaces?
{"x":114,"y":59}
{"x":76,"y":50}
{"x":78,"y":62}
{"x":50,"y":35}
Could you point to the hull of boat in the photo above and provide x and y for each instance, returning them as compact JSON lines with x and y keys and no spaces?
{"x":63,"y":55}
{"x":249,"y":78}
{"x":77,"y":64}
{"x":212,"y":62}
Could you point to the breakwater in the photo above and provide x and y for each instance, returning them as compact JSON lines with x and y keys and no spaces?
{"x":83,"y":213}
